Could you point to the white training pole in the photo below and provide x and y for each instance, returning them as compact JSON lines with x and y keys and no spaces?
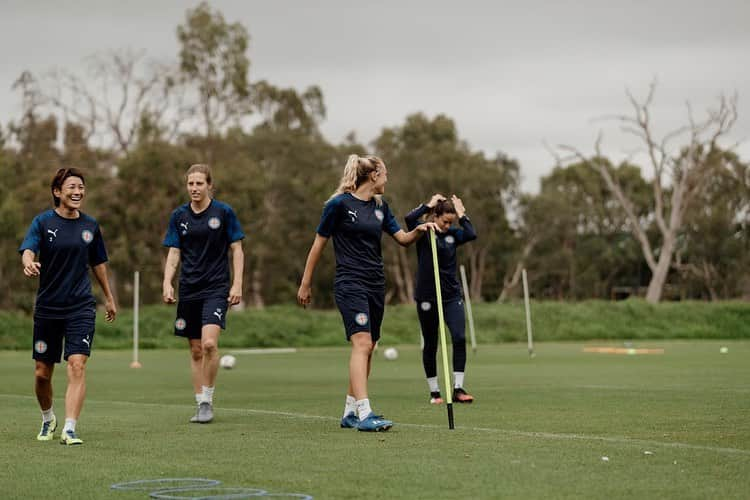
{"x":467,"y":301}
{"x":529,"y":335}
{"x":136,"y":300}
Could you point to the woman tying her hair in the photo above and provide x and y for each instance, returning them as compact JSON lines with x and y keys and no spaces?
{"x":444,"y":213}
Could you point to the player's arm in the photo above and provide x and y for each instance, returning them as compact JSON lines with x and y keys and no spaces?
{"x":405,"y":239}
{"x":238,"y":266}
{"x":100,"y":272}
{"x":30,"y":265}
{"x":304,"y":294}
{"x":170,"y":269}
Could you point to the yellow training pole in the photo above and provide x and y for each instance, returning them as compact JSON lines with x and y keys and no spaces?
{"x":441,"y":322}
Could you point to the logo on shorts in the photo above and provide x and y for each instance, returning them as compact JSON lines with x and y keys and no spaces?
{"x":426,"y":306}
{"x":86,"y":341}
{"x":450,"y":239}
{"x":180,"y":324}
{"x":379,"y":214}
{"x":217,"y":313}
{"x":40,"y":346}
{"x":87,"y":236}
{"x":214,"y":223}
{"x":361,"y":319}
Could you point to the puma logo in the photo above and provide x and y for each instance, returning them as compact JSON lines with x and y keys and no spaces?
{"x":217,"y":313}
{"x":53,"y":233}
{"x":87,"y":341}
{"x":184,"y":225}
{"x":353,"y":215}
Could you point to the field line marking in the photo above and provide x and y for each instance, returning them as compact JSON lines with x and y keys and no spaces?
{"x":509,"y":432}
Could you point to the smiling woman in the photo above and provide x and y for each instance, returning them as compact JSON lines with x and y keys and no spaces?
{"x":67,"y":242}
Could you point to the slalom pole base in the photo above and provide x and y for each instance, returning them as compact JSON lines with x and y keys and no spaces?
{"x":135,"y":364}
{"x":450,"y":416}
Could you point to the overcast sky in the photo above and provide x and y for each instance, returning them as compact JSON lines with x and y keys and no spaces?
{"x":513,"y":75}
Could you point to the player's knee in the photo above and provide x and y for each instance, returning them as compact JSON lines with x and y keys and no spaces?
{"x":76,"y":368}
{"x":42,"y":375}
{"x":209,"y":347}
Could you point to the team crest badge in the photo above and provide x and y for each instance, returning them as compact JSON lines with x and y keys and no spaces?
{"x":180,"y":324}
{"x":214,"y":223}
{"x":361,"y":319}
{"x":426,"y":306}
{"x":40,"y":346}
{"x":450,"y":239}
{"x":87,"y":236}
{"x":379,"y":214}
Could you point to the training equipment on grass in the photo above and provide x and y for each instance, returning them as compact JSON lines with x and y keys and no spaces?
{"x":529,"y":335}
{"x":441,"y":322}
{"x":227,"y":361}
{"x":390,"y":354}
{"x":467,"y":301}
{"x":623,"y":350}
{"x":136,"y":299}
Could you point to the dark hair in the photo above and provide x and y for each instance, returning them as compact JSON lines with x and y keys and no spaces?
{"x":443,"y":207}
{"x":59,"y":179}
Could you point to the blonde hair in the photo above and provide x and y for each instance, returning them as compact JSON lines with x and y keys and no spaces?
{"x":200,"y":168}
{"x":356,"y":171}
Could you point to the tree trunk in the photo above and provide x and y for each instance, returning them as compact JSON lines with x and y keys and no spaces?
{"x":659,"y":275}
{"x":256,"y":288}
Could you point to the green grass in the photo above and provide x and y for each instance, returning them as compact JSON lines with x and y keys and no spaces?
{"x":290,"y":325}
{"x":539,"y":428}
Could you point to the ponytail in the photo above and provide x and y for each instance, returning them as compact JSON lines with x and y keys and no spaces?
{"x":356,"y":172}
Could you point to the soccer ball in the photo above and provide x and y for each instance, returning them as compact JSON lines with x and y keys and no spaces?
{"x":227,"y":361}
{"x":390,"y":354}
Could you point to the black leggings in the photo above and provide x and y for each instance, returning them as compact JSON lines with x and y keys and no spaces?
{"x":453,"y":312}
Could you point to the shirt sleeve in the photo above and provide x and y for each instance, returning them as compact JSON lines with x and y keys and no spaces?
{"x":234,"y":231}
{"x":328,"y":219}
{"x":97,"y":250}
{"x":412,"y":218}
{"x":466,"y":233}
{"x":390,"y":225}
{"x":172,"y":238}
{"x":33,"y":237}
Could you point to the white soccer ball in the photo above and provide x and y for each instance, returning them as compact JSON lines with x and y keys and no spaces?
{"x":227,"y":361}
{"x":390,"y":354}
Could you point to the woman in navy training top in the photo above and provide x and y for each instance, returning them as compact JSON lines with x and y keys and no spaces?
{"x":443,"y":212}
{"x":355,"y":217}
{"x":200,"y":235}
{"x":66,"y":243}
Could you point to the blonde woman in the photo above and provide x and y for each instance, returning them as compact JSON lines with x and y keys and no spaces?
{"x":355,"y":217}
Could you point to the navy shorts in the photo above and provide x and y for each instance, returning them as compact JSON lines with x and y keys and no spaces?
{"x":77,"y":332}
{"x":192,"y":315}
{"x":361,"y":309}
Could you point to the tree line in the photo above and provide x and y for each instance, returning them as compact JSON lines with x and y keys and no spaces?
{"x":596,"y":229}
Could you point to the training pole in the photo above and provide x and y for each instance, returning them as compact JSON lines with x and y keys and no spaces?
{"x":467,"y":301}
{"x":136,"y":300}
{"x":529,"y":335}
{"x":441,"y":322}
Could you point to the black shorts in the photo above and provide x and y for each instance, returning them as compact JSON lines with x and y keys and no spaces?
{"x":77,"y":332}
{"x":361,"y":308}
{"x":192,"y":315}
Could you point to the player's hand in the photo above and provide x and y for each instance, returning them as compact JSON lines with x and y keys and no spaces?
{"x":435,"y":199}
{"x":167,"y":293}
{"x":425,"y":227}
{"x":235,"y":295}
{"x":304,"y":295}
{"x":32,"y":269}
{"x":110,"y":310}
{"x":459,"y":206}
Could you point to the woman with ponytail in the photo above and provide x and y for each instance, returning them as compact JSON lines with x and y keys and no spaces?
{"x":442,"y":212}
{"x":355,"y":217}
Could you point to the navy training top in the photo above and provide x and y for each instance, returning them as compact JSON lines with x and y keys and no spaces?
{"x":203,"y":240}
{"x":446,"y":243}
{"x":65,"y":248}
{"x":357,"y":227}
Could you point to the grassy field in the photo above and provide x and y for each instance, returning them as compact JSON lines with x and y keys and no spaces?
{"x":672,"y":426}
